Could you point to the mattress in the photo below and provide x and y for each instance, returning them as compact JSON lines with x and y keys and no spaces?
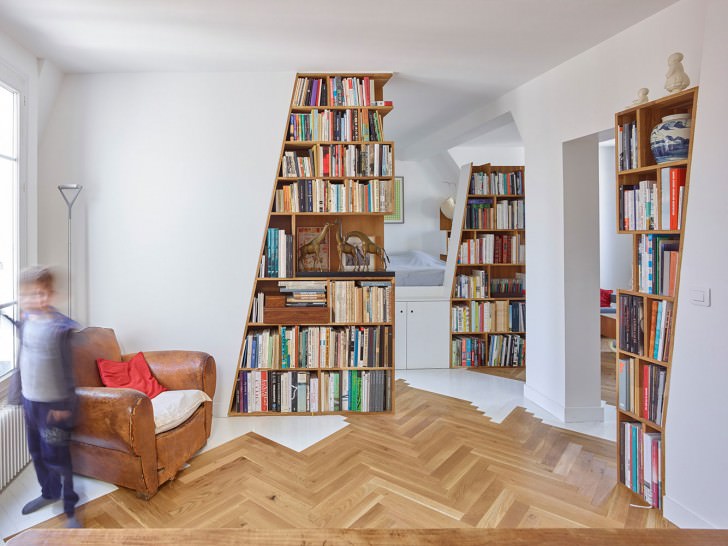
{"x":417,"y":268}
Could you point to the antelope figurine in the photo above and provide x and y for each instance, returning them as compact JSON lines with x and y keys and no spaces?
{"x":343,"y":247}
{"x":369,"y":247}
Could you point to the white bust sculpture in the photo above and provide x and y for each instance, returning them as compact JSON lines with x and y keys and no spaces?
{"x":641,"y":97}
{"x":676,"y":80}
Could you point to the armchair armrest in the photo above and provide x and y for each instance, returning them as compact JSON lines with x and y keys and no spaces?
{"x":120,"y":419}
{"x":179,"y":370}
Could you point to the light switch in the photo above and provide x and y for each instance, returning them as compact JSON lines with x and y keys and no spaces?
{"x":700,"y":296}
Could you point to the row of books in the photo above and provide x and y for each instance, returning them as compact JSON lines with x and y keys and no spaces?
{"x":506,"y":350}
{"x":658,"y":346}
{"x":507,"y":214}
{"x":627,"y":146}
{"x":324,"y":196}
{"x":473,"y":285}
{"x":638,"y":203}
{"x":298,"y":164}
{"x":257,"y":312}
{"x":336,"y":125}
{"x":318,"y":347}
{"x":270,"y":391}
{"x":353,"y":390}
{"x":497,"y":183}
{"x":467,"y":352}
{"x":642,"y":389}
{"x":657,"y":259}
{"x":304,"y":296}
{"x":277,"y":259}
{"x":334,"y":91}
{"x":492,"y":248}
{"x":342,"y":347}
{"x":489,"y":316}
{"x":631,"y":324}
{"x":509,"y":288}
{"x":502,"y":351}
{"x":640,"y":462}
{"x":361,"y":301}
{"x":355,"y":160}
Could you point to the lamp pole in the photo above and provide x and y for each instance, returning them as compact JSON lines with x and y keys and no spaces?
{"x":70,"y":193}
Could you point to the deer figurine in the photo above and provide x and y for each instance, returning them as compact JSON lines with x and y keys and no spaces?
{"x":346,"y":248}
{"x":313,"y":247}
{"x":369,"y":247}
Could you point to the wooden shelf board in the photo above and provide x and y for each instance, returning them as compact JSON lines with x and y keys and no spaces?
{"x":489,"y":333}
{"x":663,"y":363}
{"x":359,"y":368}
{"x":649,"y":232}
{"x":499,"y":298}
{"x":650,"y":168}
{"x":334,"y":178}
{"x":492,"y":265}
{"x":329,"y":213}
{"x":644,"y":295}
{"x":478,"y":230}
{"x":634,"y":417}
{"x":498,"y":195}
{"x":307,"y":413}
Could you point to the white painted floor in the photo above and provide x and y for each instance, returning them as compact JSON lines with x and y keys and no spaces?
{"x":494,"y":396}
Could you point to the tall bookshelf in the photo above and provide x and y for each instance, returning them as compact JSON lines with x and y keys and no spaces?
{"x":319,"y":333}
{"x":488,"y":299}
{"x":651,"y":205}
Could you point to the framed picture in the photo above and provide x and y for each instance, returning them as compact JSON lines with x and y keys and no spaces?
{"x":397,"y":216}
{"x":308,"y":258}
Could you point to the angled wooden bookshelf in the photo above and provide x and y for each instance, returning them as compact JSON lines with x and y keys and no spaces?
{"x":488,"y":300}
{"x":319,"y":333}
{"x":651,"y":204}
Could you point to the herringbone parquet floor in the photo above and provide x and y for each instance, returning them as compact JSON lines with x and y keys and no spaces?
{"x":436,"y":463}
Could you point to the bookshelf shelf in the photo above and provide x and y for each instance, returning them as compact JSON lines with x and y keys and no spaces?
{"x":319,"y":338}
{"x":488,"y":327}
{"x":651,"y":202}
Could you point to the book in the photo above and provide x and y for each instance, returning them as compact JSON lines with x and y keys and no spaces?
{"x":677,"y":181}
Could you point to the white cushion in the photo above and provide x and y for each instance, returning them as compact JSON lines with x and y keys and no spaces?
{"x":172,"y":408}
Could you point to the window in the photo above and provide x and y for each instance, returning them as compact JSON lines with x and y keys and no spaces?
{"x":9,"y":218}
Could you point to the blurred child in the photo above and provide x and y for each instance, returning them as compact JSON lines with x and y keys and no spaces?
{"x":47,"y":386}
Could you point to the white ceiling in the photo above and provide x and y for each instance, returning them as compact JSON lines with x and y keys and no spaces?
{"x":448,"y":55}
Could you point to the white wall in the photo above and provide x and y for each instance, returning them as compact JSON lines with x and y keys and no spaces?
{"x":615,"y":251}
{"x":697,"y":414}
{"x":177,"y":172}
{"x":495,"y":155}
{"x":424,"y":190}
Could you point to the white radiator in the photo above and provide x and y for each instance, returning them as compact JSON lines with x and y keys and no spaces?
{"x":14,"y":446}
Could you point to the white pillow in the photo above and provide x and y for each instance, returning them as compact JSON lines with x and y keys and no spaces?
{"x":172,"y":408}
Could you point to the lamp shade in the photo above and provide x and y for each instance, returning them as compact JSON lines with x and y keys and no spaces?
{"x":447,"y":208}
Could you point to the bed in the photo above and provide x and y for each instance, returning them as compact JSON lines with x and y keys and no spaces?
{"x":417,"y":268}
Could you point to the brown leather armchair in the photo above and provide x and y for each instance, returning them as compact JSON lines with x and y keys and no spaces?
{"x":114,"y":437}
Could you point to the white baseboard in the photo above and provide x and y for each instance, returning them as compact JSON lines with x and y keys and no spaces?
{"x":682,"y":516}
{"x":561,"y":412}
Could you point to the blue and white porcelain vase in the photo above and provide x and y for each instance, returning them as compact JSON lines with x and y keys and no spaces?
{"x":670,"y":139}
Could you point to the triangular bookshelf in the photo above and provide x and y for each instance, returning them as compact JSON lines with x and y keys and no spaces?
{"x":488,"y":300}
{"x":319,"y":332}
{"x":651,"y":203}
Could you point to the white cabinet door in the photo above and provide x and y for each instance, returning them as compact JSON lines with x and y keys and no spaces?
{"x":400,"y":335}
{"x":428,"y":335}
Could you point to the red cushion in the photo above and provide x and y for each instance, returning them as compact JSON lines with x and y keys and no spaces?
{"x":134,"y":374}
{"x":605,"y":297}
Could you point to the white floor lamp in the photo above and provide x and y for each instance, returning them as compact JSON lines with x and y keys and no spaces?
{"x":70,"y":193}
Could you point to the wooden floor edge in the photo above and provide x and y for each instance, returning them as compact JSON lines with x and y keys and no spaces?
{"x":361,"y":537}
